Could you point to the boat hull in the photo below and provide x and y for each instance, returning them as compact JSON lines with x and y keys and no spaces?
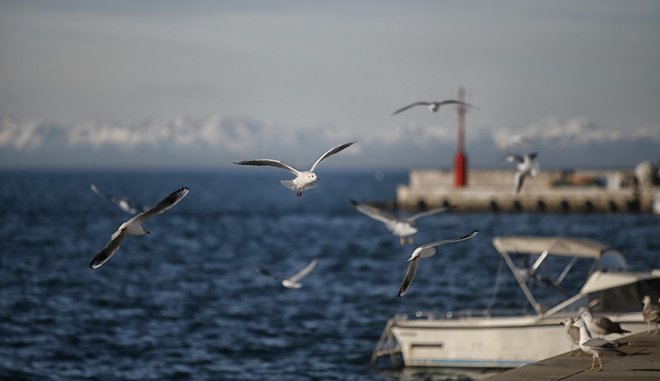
{"x":495,"y":342}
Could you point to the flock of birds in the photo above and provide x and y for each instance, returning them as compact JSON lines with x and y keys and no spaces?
{"x":580,"y":331}
{"x":303,"y":181}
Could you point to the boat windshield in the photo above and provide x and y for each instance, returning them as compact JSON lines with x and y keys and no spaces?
{"x":612,"y":260}
{"x":621,"y":299}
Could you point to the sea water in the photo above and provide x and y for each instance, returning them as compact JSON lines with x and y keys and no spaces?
{"x":185,"y":302}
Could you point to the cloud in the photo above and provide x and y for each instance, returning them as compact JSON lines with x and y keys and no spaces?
{"x":220,"y":139}
{"x":576,"y":131}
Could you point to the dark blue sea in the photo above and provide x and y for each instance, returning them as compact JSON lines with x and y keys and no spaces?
{"x":185,"y":302}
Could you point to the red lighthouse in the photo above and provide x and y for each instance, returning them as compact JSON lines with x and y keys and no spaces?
{"x":460,"y":159}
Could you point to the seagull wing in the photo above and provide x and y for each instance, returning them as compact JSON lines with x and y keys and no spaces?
{"x":269,"y":163}
{"x":532,"y":155}
{"x":513,"y":157}
{"x":110,"y":249}
{"x":421,"y":103}
{"x":332,"y":151}
{"x":519,"y":179}
{"x":373,"y":212}
{"x":267,"y":273}
{"x":123,"y":204}
{"x":169,"y":201}
{"x":430,"y":248}
{"x":453,"y":101}
{"x":408,"y":278}
{"x":599,"y":343}
{"x":427,"y":213}
{"x":609,"y":325}
{"x":297,"y":277}
{"x":99,"y":192}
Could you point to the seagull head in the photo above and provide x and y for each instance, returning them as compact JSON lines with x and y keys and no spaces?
{"x":568,"y":322}
{"x":434,"y":107}
{"x":415,"y":254}
{"x":578,"y":323}
{"x":310,"y":177}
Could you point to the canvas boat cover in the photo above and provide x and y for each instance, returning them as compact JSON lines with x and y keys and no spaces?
{"x":562,"y":246}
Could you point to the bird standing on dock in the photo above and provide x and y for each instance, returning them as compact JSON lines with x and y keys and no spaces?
{"x":134,"y":226}
{"x":601,"y":325}
{"x":525,"y":166}
{"x":651,"y":314}
{"x":572,"y":332}
{"x":426,"y":251}
{"x":401,"y":227}
{"x":433,"y":106}
{"x":294,"y":280}
{"x":123,"y":204}
{"x":595,"y":346}
{"x":304,"y":179}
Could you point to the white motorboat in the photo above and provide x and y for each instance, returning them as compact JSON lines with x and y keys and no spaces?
{"x":488,"y":340}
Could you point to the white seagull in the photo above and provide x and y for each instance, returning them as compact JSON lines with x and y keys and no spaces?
{"x":123,"y":204}
{"x":525,"y":166}
{"x":401,"y":227}
{"x":134,"y":226}
{"x":651,"y":314}
{"x":601,"y":325}
{"x":596,"y":346}
{"x":426,"y":251}
{"x":294,"y":280}
{"x":433,"y":106}
{"x":304,"y":179}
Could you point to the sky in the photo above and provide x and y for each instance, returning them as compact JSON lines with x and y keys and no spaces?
{"x":171,"y":84}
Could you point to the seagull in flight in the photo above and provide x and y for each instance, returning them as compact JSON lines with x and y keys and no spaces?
{"x":531,"y":272}
{"x":294,"y":280}
{"x":433,"y":106}
{"x":426,"y":251}
{"x":134,"y":226}
{"x":304,"y":179}
{"x":123,"y":204}
{"x":525,"y":166}
{"x":595,"y":346}
{"x":402,"y":227}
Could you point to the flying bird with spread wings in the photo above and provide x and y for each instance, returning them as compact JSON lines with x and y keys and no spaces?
{"x":294,"y":280}
{"x":399,"y":226}
{"x":433,"y":106}
{"x":526,"y":165}
{"x":134,"y":226}
{"x":304,"y":180}
{"x":426,"y":251}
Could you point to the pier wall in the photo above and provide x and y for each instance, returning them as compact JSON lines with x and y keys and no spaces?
{"x":550,"y":191}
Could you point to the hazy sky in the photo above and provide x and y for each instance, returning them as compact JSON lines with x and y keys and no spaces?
{"x":203,"y":83}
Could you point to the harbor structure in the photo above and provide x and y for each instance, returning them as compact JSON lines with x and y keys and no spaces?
{"x":558,"y":190}
{"x":582,"y":190}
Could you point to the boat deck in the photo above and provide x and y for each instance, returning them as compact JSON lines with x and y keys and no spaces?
{"x":642,"y":363}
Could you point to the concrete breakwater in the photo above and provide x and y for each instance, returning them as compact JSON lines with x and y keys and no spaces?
{"x":565,"y":191}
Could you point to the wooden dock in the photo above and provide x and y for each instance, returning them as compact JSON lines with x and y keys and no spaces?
{"x":641,"y":364}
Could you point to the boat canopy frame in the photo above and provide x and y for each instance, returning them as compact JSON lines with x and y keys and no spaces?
{"x":544,"y":246}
